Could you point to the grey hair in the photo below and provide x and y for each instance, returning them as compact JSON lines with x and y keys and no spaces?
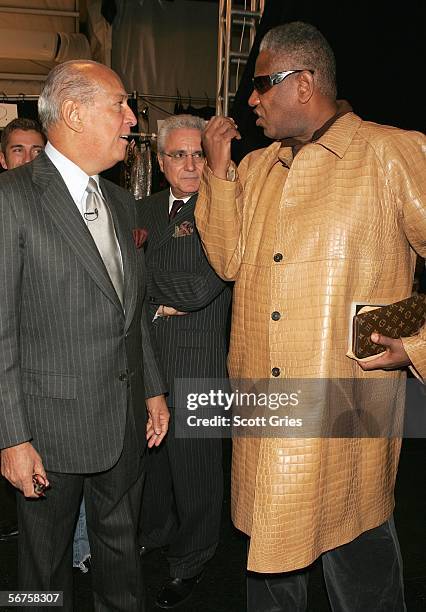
{"x":177,"y":122}
{"x":305,"y":47}
{"x":67,"y":81}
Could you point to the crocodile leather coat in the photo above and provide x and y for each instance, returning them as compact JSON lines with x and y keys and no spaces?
{"x":307,"y":237}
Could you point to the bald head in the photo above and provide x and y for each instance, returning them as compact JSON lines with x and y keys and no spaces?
{"x":73,"y":80}
{"x":83,"y":108}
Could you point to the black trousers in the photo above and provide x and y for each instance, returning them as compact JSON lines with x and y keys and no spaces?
{"x":182,"y":502}
{"x":47,"y":526}
{"x":364,"y":575}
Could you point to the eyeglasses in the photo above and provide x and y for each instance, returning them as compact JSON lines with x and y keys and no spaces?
{"x":179,"y":157}
{"x":264,"y":82}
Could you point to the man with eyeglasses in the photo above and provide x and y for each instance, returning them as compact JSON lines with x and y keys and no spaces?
{"x":328,"y":215}
{"x":188,"y":317}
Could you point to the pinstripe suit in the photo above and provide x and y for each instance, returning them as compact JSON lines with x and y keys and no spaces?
{"x":71,"y":373}
{"x":192,"y":345}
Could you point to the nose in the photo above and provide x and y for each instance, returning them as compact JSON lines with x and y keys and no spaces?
{"x":27,"y":156}
{"x":189,"y":162}
{"x":254,"y":98}
{"x":130,"y":118}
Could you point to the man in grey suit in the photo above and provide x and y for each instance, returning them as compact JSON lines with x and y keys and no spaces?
{"x":188,"y":316}
{"x":75,"y":362}
{"x":22,"y":140}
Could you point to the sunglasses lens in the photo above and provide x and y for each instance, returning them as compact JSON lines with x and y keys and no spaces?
{"x":262,"y":83}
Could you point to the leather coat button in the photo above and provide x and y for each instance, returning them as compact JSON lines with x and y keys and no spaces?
{"x":276,"y":316}
{"x":276,"y":371}
{"x":278,"y":257}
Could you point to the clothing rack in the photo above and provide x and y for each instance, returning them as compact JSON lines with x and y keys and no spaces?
{"x":134,"y":95}
{"x":5,"y":98}
{"x":143,"y":135}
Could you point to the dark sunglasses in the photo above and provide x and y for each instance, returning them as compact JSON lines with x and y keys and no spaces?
{"x":264,"y":82}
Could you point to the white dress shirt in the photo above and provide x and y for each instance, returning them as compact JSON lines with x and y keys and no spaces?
{"x":75,"y":179}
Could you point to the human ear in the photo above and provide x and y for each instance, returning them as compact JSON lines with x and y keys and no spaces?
{"x":3,"y":161}
{"x":305,"y":86}
{"x":72,"y":115}
{"x":160,"y":162}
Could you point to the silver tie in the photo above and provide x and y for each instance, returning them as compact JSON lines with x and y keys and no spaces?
{"x":101,"y":226}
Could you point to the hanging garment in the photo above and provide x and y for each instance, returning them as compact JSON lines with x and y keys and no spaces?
{"x":138,"y":169}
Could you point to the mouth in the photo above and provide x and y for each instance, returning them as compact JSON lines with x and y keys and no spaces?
{"x":259,"y":117}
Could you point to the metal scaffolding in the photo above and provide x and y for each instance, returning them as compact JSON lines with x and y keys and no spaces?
{"x":237,"y":30}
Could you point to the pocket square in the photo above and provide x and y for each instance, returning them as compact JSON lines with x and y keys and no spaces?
{"x":140,"y":234}
{"x":186,"y":228}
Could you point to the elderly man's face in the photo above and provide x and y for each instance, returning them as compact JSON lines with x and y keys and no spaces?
{"x":107,"y":121}
{"x":184,"y":174}
{"x":22,"y":147}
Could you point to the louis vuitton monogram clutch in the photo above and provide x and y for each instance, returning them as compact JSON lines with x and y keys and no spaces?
{"x":397,"y":320}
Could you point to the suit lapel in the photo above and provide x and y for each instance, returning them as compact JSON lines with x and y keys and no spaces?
{"x":159,"y":218}
{"x":56,"y":198}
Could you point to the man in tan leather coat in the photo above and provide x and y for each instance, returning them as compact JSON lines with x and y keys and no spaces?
{"x":329,"y":215}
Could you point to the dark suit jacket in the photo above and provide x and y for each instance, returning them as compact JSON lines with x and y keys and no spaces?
{"x":179,"y":275}
{"x":70,"y":358}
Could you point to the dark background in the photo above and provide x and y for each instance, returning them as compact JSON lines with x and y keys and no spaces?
{"x":380,"y":56}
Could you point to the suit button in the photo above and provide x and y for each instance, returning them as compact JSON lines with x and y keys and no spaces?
{"x":276,"y":372}
{"x":122,"y":376}
{"x":278,"y":257}
{"x":276,"y":316}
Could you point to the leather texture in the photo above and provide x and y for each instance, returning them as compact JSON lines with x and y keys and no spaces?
{"x":306,"y":237}
{"x":70,"y":356}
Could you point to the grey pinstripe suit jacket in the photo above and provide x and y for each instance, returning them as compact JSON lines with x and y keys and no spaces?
{"x":70,"y":358}
{"x":179,"y":275}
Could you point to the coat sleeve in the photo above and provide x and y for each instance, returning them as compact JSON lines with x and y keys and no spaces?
{"x":14,"y":428}
{"x":153,"y":377}
{"x":219,"y":219}
{"x":185,"y":291}
{"x":406,"y":169}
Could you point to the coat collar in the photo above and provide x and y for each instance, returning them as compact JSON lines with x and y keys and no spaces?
{"x":56,"y":198}
{"x":336,"y":139}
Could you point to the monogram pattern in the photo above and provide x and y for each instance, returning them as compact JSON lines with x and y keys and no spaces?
{"x":397,"y":320}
